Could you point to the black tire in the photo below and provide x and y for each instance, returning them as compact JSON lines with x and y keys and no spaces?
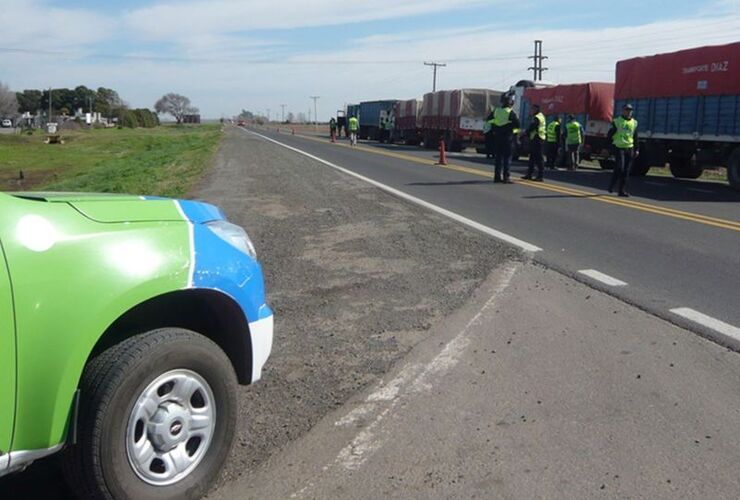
{"x":683,"y":167}
{"x":97,"y":467}
{"x":640,"y":166}
{"x":733,"y":169}
{"x":607,"y":164}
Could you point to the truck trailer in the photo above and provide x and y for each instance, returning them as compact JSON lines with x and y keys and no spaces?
{"x":407,"y":126}
{"x":375,"y":118}
{"x":591,"y":103}
{"x":457,"y":116}
{"x":687,"y":105}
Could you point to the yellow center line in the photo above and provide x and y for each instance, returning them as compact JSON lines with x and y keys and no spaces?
{"x":643,"y":207}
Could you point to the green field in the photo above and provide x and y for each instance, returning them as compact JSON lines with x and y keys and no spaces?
{"x":163,"y":161}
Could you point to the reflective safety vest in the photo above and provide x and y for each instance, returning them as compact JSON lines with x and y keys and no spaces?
{"x":551,"y":136}
{"x":540,"y":130}
{"x":574,"y":133}
{"x":624,"y":138}
{"x":501,"y":117}
{"x":353,"y":124}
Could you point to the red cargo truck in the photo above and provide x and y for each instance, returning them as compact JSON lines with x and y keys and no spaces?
{"x":592,"y":104}
{"x":407,"y":127}
{"x":687,"y":105}
{"x":457,"y":116}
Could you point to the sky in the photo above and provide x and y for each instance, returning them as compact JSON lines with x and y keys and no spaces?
{"x":229,"y":55}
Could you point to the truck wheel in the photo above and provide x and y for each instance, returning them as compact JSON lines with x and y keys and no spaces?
{"x":640,"y":167}
{"x":733,"y":169}
{"x":684,"y":167}
{"x":157,"y":418}
{"x":607,"y":164}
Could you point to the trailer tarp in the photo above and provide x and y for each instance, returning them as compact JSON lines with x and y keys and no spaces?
{"x":595,"y":99}
{"x":712,"y":70}
{"x":443,"y":110}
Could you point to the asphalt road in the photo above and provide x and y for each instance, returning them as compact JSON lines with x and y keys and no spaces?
{"x":674,"y":243}
{"x":539,"y":387}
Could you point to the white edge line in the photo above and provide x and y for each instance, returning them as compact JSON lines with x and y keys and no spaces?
{"x":191,"y":242}
{"x":708,"y":321}
{"x":603,"y":278}
{"x":527,"y":247}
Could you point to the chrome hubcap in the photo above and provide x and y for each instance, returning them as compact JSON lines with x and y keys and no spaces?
{"x":170,"y":427}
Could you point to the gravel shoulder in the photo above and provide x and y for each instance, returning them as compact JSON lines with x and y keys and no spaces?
{"x":356,"y":278}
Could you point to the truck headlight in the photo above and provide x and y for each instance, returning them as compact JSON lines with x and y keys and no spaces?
{"x":233,"y":235}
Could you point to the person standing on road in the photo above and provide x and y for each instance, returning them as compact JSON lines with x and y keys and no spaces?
{"x":333,"y":129}
{"x":623,"y":135}
{"x":573,"y":141}
{"x":536,"y":132}
{"x":353,"y":128}
{"x":488,"y":135}
{"x":505,"y":121}
{"x":552,"y":142}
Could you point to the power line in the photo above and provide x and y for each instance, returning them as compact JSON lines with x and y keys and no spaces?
{"x":434,"y":78}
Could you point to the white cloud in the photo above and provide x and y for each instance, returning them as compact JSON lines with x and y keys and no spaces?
{"x":33,"y":24}
{"x":178,"y":21}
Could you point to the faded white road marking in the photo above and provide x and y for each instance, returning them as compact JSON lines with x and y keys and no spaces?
{"x":412,"y":379}
{"x":708,"y":321}
{"x":603,"y":278}
{"x":527,"y":247}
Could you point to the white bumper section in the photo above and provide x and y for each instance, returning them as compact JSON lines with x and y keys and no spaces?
{"x":261,"y":333}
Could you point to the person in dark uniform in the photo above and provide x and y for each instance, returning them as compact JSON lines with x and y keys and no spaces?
{"x":505,"y":121}
{"x":623,"y":135}
{"x":488,"y":135}
{"x":553,"y":139}
{"x":536,"y":133}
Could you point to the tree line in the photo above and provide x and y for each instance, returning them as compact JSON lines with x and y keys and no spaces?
{"x":102,"y":100}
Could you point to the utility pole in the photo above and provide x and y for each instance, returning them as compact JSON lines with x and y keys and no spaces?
{"x":434,"y":78}
{"x":49,"y":105}
{"x":315,"y":113}
{"x":268,"y":115}
{"x":283,"y":112}
{"x":537,"y":69}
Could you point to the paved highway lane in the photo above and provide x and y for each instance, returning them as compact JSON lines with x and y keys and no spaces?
{"x":675,"y":257}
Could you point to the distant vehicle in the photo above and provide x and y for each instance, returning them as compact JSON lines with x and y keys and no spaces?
{"x":407,"y":122}
{"x":6,"y":123}
{"x":457,"y":116}
{"x":241,"y":123}
{"x":687,"y":105}
{"x":129,"y":324}
{"x":592,"y":104}
{"x":371,"y":114}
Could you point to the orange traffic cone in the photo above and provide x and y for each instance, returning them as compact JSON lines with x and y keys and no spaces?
{"x":333,"y":137}
{"x":442,"y":154}
{"x":292,"y":131}
{"x":278,"y":130}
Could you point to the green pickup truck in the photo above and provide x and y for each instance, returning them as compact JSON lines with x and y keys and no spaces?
{"x":126,"y":325}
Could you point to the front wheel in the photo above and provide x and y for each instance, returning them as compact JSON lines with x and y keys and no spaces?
{"x":157,"y":418}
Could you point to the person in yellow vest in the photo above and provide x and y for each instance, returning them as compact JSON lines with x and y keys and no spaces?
{"x":573,"y":141}
{"x":354,"y":126}
{"x":623,"y":136}
{"x":505,"y":121}
{"x":552,"y":142}
{"x":536,"y":133}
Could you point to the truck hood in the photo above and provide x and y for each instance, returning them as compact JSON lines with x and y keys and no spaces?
{"x":116,"y":208}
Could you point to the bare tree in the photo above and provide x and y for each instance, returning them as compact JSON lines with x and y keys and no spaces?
{"x":8,"y":101}
{"x":176,"y":105}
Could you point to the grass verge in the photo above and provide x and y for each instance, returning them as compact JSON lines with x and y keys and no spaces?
{"x":162,"y":161}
